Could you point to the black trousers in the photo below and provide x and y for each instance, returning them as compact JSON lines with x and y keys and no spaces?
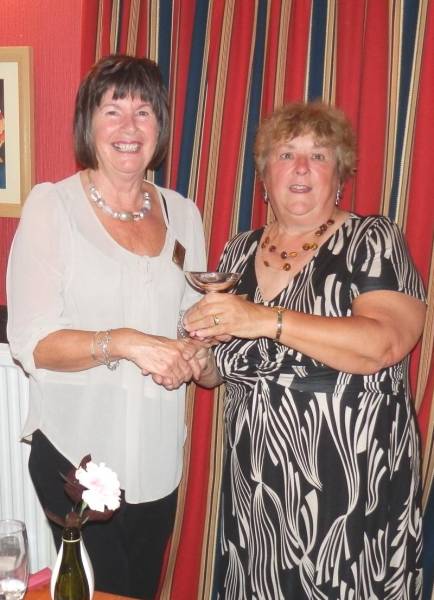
{"x":127,"y":551}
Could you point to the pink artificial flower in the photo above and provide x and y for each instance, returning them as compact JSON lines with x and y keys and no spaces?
{"x":103,"y":488}
{"x":95,"y":491}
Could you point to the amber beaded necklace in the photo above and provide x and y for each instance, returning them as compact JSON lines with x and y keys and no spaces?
{"x":285,"y":254}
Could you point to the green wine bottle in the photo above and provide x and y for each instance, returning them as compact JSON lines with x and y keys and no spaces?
{"x":71,"y":583}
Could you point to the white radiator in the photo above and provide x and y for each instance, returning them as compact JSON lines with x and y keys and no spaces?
{"x":17,"y":496}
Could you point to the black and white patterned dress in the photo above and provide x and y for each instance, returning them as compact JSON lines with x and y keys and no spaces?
{"x":321,"y":478}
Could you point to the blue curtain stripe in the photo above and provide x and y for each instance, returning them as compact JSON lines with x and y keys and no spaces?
{"x":192,"y":96}
{"x":254,"y":112}
{"x":408,"y":40}
{"x":317,"y":49}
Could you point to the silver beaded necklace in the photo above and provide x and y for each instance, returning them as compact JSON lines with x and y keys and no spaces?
{"x":120,"y":215}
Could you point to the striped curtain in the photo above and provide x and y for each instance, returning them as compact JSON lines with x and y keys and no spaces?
{"x":227,"y":63}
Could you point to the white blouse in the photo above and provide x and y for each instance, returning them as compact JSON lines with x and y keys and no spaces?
{"x":66,"y":272}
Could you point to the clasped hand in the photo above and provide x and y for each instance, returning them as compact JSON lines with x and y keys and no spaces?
{"x":170,"y":362}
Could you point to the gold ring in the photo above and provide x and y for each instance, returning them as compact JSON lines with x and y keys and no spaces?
{"x":216,"y":320}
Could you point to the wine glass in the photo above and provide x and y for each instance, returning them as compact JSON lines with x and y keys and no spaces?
{"x":14,"y":564}
{"x":212,"y":281}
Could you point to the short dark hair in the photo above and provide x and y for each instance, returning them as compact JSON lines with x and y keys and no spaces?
{"x":127,"y":75}
{"x":326,"y":123}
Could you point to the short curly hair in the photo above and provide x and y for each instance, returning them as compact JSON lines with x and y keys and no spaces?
{"x":127,"y":75}
{"x":329,"y":126}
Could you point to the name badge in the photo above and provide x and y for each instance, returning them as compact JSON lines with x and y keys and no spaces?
{"x":178,"y":256}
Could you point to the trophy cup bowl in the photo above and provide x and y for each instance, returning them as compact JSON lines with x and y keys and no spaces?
{"x":212,"y":281}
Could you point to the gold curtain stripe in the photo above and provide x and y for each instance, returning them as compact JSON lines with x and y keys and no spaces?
{"x":193,"y":181}
{"x":133,"y":27}
{"x":309,"y":57}
{"x":282,"y":48}
{"x":114,"y":30}
{"x":395,"y":24}
{"x":153,"y":29}
{"x":329,"y":79}
{"x":172,"y":90}
{"x":98,"y":43}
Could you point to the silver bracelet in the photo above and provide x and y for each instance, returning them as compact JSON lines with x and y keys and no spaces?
{"x":101,"y":342}
{"x":180,"y":329}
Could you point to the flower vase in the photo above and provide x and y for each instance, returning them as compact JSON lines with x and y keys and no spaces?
{"x":72,"y":577}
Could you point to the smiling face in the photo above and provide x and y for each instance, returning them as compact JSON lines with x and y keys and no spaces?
{"x":301,"y":179}
{"x":125,"y":134}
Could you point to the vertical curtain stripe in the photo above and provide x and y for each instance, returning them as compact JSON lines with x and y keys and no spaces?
{"x":350,"y":49}
{"x":142,"y":16}
{"x":419,"y":224}
{"x":163,"y":57}
{"x":153,"y":29}
{"x":297,"y":56}
{"x":405,"y":16}
{"x":282,"y":49}
{"x":116,"y":23}
{"x":318,"y":31}
{"x":187,"y":568}
{"x":232,"y":88}
{"x":190,"y":495}
{"x":192,"y":104}
{"x":122,"y":25}
{"x":328,"y":92}
{"x":210,"y":547}
{"x":213,"y":90}
{"x":372,"y":109}
{"x":274,"y":41}
{"x":133,"y":25}
{"x":165,"y":38}
{"x":267,"y":41}
{"x":245,"y":220}
{"x":181,"y":55}
{"x":104,"y":29}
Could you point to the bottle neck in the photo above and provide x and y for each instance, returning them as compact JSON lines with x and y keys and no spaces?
{"x":71,"y":534}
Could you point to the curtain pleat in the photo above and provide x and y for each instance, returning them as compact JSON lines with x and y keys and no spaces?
{"x":228,"y":63}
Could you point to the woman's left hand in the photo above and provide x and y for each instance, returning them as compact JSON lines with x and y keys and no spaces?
{"x":221,"y":316}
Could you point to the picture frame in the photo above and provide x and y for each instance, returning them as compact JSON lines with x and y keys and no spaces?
{"x":16,"y":128}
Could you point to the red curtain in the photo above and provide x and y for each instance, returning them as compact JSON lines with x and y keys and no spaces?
{"x":229,"y":62}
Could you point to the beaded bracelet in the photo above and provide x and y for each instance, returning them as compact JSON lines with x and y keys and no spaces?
{"x":279,"y":324}
{"x":101,"y":342}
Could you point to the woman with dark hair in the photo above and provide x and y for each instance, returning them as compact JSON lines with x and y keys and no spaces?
{"x":321,"y":482}
{"x":95,"y":289}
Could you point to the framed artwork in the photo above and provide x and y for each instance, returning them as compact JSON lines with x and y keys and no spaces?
{"x":16,"y":128}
